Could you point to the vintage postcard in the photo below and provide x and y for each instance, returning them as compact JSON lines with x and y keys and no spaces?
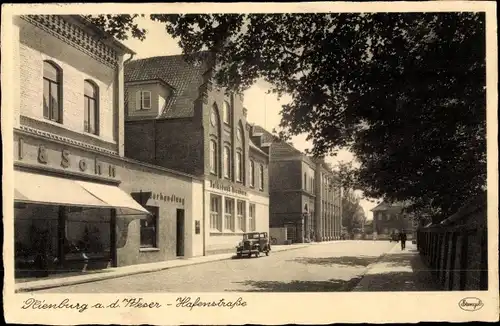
{"x":250,"y":163}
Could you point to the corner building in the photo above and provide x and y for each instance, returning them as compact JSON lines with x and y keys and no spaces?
{"x":305,"y":197}
{"x":79,"y":204}
{"x":178,"y":119}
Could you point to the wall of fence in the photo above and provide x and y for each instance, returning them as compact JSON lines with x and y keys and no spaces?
{"x":456,"y":250}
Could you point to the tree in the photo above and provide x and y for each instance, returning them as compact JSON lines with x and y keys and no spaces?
{"x":352,"y":213}
{"x":405,"y":92}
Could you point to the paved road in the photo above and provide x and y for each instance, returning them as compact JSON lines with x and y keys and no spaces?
{"x":317,"y":268}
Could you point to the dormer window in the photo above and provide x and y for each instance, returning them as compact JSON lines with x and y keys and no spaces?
{"x":143,"y":100}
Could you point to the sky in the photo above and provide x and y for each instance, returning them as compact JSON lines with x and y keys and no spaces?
{"x":263,"y":109}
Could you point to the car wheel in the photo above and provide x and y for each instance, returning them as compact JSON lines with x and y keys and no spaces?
{"x":267,"y":253}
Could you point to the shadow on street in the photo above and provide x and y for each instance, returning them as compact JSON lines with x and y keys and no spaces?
{"x":333,"y":285}
{"x":329,"y":261}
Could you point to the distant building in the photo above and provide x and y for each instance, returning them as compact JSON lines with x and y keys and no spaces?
{"x":305,"y":196}
{"x":390,"y":218}
{"x":178,"y":119}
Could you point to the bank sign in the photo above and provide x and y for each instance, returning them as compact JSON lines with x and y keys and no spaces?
{"x":57,"y":156}
{"x":226,"y":188}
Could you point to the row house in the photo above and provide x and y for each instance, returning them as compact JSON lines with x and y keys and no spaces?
{"x":178,"y":119}
{"x":79,"y":203}
{"x":305,"y":197}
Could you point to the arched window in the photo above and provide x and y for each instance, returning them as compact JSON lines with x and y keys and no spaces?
{"x":213,"y":156}
{"x":252,"y":174}
{"x":239,"y":167}
{"x":52,"y":92}
{"x":227,"y":112}
{"x":91,"y":97}
{"x":227,"y":162}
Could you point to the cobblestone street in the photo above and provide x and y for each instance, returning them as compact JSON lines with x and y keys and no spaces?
{"x":320,"y":267}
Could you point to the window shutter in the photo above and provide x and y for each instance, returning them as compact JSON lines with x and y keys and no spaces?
{"x":138,"y":100}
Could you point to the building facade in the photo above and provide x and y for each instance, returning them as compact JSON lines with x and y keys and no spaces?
{"x":176,"y":118}
{"x":389,"y":219}
{"x":305,"y":202}
{"x":79,"y":204}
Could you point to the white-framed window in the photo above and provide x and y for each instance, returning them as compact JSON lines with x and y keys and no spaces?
{"x":52,"y":95}
{"x":149,"y":227}
{"x":213,"y":156}
{"x":226,"y":112}
{"x":143,"y":100}
{"x":240,"y":215}
{"x":252,"y":174}
{"x":251,"y":217}
{"x":227,"y":162}
{"x":229,"y":214}
{"x":215,"y":213}
{"x":91,"y":107}
{"x":261,"y":177}
{"x":239,"y":167}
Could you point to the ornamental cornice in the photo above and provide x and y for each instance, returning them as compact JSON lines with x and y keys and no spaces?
{"x":74,"y":36}
{"x":64,"y":140}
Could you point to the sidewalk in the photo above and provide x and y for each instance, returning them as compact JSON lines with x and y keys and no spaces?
{"x":398,"y":270}
{"x":132,"y":270}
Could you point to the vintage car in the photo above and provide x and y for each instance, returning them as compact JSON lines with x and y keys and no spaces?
{"x":253,"y":244}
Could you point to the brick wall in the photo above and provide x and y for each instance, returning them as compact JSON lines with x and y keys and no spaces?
{"x":36,"y":46}
{"x":285,"y":175}
{"x":457,"y":248}
{"x":179,"y":144}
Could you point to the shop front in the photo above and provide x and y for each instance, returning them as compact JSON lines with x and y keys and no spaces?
{"x":231,"y":211}
{"x":65,"y":207}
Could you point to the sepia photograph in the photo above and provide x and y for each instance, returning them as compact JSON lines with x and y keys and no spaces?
{"x":209,"y":156}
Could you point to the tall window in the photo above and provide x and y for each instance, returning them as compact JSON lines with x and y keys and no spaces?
{"x":215,"y":212}
{"x":149,"y":229}
{"x":52,"y":92}
{"x":143,"y":100}
{"x":229,"y":214}
{"x":305,"y":181}
{"x":227,"y":113}
{"x":91,"y":122}
{"x":213,"y":156}
{"x":239,"y":167}
{"x":240,"y":215}
{"x":251,"y":217}
{"x":261,"y":177}
{"x":252,"y":174}
{"x":227,"y":162}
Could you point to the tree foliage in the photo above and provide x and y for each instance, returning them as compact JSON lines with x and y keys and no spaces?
{"x":353,"y":215}
{"x":405,"y":92}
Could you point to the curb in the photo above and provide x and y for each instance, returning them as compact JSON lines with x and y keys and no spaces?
{"x":103,"y":277}
{"x":369,"y":267}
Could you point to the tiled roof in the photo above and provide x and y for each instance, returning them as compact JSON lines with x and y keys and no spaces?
{"x":184,"y":77}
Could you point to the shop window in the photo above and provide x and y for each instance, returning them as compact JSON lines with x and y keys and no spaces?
{"x":149,"y":229}
{"x":240,"y":215}
{"x":229,"y":214}
{"x":251,"y":217}
{"x":91,"y":97}
{"x":143,"y":100}
{"x":227,"y":162}
{"x":52,"y":96}
{"x":252,"y":174}
{"x":213,"y":156}
{"x":215,"y":213}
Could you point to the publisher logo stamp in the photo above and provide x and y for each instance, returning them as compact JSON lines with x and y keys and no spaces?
{"x":470,"y":304}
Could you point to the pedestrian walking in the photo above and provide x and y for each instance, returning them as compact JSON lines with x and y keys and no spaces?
{"x":402,"y":237}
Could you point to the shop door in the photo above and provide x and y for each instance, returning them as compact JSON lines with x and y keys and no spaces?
{"x":180,"y":232}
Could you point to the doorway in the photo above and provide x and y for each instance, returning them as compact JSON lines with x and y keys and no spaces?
{"x":180,"y":232}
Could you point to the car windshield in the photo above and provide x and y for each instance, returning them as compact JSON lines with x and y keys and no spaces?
{"x":251,"y":236}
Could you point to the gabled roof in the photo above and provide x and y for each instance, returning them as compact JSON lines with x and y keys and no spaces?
{"x":184,"y":77}
{"x":385,"y":206}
